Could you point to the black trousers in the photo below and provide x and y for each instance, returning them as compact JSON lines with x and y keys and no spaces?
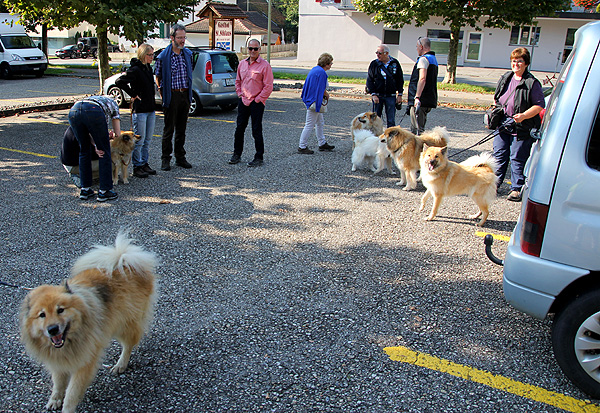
{"x":176,"y":116}
{"x":255,"y":111}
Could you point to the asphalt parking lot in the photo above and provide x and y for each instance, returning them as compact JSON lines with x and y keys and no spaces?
{"x":287,"y":288}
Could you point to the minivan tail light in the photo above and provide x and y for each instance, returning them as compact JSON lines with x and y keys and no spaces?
{"x":208,"y":72}
{"x":533,"y":227}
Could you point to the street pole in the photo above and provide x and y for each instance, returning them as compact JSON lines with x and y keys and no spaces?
{"x":269,"y":33}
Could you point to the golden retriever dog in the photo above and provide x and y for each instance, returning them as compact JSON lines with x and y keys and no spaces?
{"x":406,"y":147}
{"x":67,"y":327}
{"x":367,"y":150}
{"x":121,"y":149}
{"x":475,"y":177}
{"x":367,"y":121}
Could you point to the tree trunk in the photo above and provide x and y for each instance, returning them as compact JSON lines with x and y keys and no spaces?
{"x":452,"y":54}
{"x":45,"y":39}
{"x":103,"y":61}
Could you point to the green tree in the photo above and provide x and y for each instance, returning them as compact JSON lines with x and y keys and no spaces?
{"x":458,"y":14}
{"x":289,"y":9}
{"x":132,"y":19}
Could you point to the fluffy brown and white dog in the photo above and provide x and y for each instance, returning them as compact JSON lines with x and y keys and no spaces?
{"x":366,"y":121}
{"x":110,"y":295}
{"x":121,"y":149}
{"x":475,"y":177}
{"x":406,"y":147}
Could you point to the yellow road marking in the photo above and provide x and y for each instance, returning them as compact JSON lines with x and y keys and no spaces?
{"x":528,"y":391}
{"x":47,"y":121}
{"x":29,"y":153}
{"x":273,"y":110}
{"x":496,"y":236}
{"x":217,"y":120}
{"x":45,"y":91}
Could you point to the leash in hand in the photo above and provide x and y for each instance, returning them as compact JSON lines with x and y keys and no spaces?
{"x":508,"y":122}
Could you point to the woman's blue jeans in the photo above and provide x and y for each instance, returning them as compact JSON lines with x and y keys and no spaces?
{"x":88,"y":122}
{"x":143,"y":125}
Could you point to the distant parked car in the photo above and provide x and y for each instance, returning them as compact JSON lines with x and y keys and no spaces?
{"x":88,"y":46}
{"x":113,"y":47}
{"x":71,"y":51}
{"x":213,"y":81}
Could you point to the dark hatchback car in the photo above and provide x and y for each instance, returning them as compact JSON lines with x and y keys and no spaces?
{"x":70,"y":51}
{"x":213,"y":80}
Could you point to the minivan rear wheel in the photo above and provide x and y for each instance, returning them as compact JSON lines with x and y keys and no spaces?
{"x":195,"y":105}
{"x":576,"y":342}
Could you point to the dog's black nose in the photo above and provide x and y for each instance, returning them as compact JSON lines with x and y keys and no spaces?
{"x":53,"y":330}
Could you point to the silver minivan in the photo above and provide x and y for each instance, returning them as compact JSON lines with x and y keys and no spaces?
{"x":552,"y":264}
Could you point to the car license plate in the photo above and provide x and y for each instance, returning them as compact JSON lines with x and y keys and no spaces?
{"x":229,"y":82}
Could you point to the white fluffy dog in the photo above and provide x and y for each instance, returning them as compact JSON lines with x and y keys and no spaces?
{"x":368,"y":148}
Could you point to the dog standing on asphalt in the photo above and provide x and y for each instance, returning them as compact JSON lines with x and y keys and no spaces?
{"x":67,"y":327}
{"x":121,"y":149}
{"x":475,"y":177}
{"x":406,"y":147}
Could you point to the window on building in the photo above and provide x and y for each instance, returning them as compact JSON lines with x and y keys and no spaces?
{"x":568,"y":44}
{"x":524,"y":36}
{"x":164,"y":30}
{"x":391,"y":36}
{"x":440,"y":41}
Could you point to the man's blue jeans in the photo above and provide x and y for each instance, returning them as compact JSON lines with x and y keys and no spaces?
{"x":390,"y":109}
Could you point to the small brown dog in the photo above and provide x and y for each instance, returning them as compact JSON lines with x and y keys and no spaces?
{"x":121,"y":149}
{"x":475,"y":177}
{"x":67,"y":327}
{"x":406,"y":147}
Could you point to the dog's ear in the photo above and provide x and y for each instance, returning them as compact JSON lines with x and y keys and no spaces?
{"x":444,"y":150}
{"x":66,"y":285}
{"x":137,"y":137}
{"x":425,"y":146}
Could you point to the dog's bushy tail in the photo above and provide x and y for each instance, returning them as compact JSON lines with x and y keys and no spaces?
{"x":438,"y":136}
{"x":124,"y":254}
{"x":482,"y":160}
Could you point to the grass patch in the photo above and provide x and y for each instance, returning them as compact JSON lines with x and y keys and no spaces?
{"x":460,"y":87}
{"x":52,"y":70}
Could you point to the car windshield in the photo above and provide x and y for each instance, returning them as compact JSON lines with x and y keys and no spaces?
{"x":18,"y":42}
{"x":224,"y":63}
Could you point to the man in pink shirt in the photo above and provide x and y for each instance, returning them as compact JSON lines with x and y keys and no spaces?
{"x":253,"y":84}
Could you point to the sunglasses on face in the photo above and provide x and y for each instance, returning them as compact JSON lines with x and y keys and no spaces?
{"x":380,"y":52}
{"x":253,"y":49}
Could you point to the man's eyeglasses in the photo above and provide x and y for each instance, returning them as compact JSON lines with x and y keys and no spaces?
{"x":253,"y":49}
{"x":419,"y":41}
{"x":378,"y":52}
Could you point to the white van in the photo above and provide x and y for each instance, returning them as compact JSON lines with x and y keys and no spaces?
{"x":552,"y":264}
{"x":18,"y":53}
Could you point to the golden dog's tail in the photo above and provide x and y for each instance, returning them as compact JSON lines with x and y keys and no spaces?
{"x":483,"y":160}
{"x":118,"y":257}
{"x":438,"y":136}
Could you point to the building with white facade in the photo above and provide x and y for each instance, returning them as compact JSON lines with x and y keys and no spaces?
{"x":335,"y":26}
